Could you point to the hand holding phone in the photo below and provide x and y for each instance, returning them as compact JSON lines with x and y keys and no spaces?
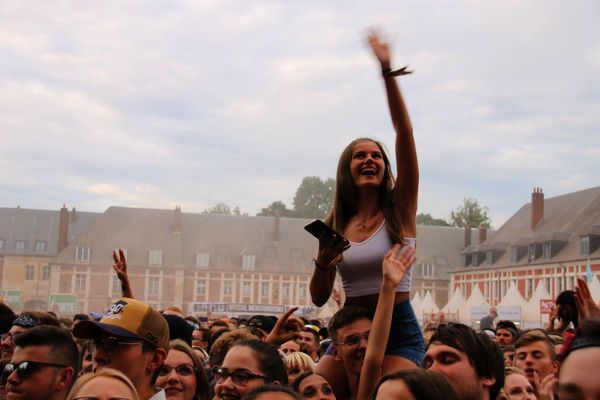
{"x":331,"y":243}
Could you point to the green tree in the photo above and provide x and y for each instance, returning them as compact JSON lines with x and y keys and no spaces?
{"x":427,"y":219}
{"x":470,"y":212}
{"x":269,"y":211}
{"x":219,"y":208}
{"x":314,"y":197}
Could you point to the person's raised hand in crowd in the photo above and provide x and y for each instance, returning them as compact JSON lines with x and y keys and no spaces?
{"x":546,"y":387}
{"x":396,"y":263}
{"x":586,"y":306}
{"x":120,"y":267}
{"x":381,"y":50}
{"x":286,"y":328}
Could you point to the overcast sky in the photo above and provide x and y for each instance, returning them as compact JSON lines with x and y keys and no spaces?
{"x":163,"y":103}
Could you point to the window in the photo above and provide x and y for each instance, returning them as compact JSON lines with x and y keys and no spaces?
{"x":584,"y":246}
{"x":559,"y":285}
{"x":155,"y":258}
{"x":153,"y":286}
{"x":202,"y":260}
{"x":547,"y":250}
{"x":40,"y":246}
{"x":514,"y":254}
{"x":20,"y":245}
{"x":489,"y":257}
{"x":80,"y":281}
{"x":302,"y":290}
{"x":548,"y":283}
{"x":46,"y":273}
{"x":1,"y":244}
{"x":82,"y":253}
{"x":571,"y":283}
{"x":285,"y":290}
{"x":532,"y":252}
{"x":116,"y":284}
{"x":201,"y":288}
{"x":246,"y":288}
{"x":265,"y":289}
{"x":427,"y":270}
{"x":248,"y":261}
{"x":465,"y":259}
{"x":529,"y":287}
{"x":29,"y":273}
{"x":227,"y":288}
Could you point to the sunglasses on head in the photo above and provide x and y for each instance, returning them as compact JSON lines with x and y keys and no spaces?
{"x":111,"y":343}
{"x":25,"y":369}
{"x":181,"y":370}
{"x":238,"y":377}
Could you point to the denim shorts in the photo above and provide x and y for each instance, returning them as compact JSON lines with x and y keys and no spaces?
{"x":406,"y":338}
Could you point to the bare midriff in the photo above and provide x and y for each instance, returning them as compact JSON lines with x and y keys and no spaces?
{"x":370,"y":301}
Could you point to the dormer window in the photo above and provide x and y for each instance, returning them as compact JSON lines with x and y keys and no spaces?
{"x":155,"y":258}
{"x":547,"y":250}
{"x":584,"y":246}
{"x":465,"y":259}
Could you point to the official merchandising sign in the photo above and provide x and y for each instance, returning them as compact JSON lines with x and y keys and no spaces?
{"x":239,"y":308}
{"x":64,"y":303}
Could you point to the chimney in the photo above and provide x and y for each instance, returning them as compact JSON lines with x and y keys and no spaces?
{"x":467,"y":235}
{"x":482,"y":233}
{"x":177,"y":220}
{"x":63,"y":228}
{"x":277,"y":225}
{"x":537,"y":207}
{"x":73,"y":215}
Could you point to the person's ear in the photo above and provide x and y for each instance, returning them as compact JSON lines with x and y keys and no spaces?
{"x":488,"y":382}
{"x":336,"y":354}
{"x":157,"y":359}
{"x":64,"y":378}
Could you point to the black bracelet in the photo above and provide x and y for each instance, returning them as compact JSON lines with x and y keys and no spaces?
{"x":316,"y":264}
{"x":388,"y":72}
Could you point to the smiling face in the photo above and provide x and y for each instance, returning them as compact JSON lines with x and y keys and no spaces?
{"x":178,"y":385}
{"x":352,"y":355}
{"x":367,"y":165}
{"x":239,"y":358}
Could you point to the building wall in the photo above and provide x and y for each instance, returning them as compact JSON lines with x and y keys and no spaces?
{"x":15,"y":276}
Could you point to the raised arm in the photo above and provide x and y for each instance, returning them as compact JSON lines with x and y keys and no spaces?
{"x":407,"y":166}
{"x":120,"y":267}
{"x":395,"y":264}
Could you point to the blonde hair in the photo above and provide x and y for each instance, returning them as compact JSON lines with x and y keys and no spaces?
{"x":107,"y":373}
{"x":299,"y":360}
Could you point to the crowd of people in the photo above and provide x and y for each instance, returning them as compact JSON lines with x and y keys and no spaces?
{"x":371,"y":348}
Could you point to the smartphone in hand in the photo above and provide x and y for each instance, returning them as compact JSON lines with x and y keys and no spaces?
{"x":320,"y":229}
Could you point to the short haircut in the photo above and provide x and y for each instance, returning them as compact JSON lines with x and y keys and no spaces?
{"x":422,"y":384}
{"x":254,"y":393}
{"x":81,"y":317}
{"x":483,"y":353}
{"x":268,"y":357}
{"x":509,"y":326}
{"x":345,"y":316}
{"x":536,"y":335}
{"x":63,"y":349}
{"x":104,"y":372}
{"x":299,"y":360}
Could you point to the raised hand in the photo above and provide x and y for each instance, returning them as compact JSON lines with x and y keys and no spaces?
{"x":586,"y":306}
{"x":380,"y":49}
{"x":120,"y":268}
{"x":286,"y":328}
{"x":396,"y":263}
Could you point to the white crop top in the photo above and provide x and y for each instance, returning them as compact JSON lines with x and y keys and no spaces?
{"x":360,"y":267}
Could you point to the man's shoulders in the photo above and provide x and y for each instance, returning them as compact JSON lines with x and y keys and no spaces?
{"x":160,"y":395}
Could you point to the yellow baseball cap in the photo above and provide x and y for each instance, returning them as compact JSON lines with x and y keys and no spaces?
{"x":128,"y":318}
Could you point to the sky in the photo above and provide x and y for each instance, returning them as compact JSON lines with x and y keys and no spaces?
{"x":162,"y":103}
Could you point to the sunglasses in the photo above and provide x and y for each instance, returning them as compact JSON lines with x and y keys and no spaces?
{"x":354,"y":340}
{"x":25,"y":369}
{"x":238,"y":377}
{"x":181,"y":370}
{"x":114,"y":343}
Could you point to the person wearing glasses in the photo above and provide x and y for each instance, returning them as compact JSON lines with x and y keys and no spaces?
{"x":44,"y":365}
{"x":107,"y":384}
{"x":248,"y":364}
{"x":182,"y":375}
{"x":133,"y":338}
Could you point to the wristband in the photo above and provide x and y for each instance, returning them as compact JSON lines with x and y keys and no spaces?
{"x":316,"y":264}
{"x":388,"y":72}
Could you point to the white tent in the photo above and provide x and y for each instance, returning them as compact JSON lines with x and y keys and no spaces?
{"x":531,"y":311}
{"x":416,"y":302}
{"x":456,"y":302}
{"x":476,"y":299}
{"x":428,"y":305}
{"x":594,"y":287}
{"x":513,"y":297}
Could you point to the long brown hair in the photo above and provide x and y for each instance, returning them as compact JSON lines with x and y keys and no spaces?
{"x":345,"y":204}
